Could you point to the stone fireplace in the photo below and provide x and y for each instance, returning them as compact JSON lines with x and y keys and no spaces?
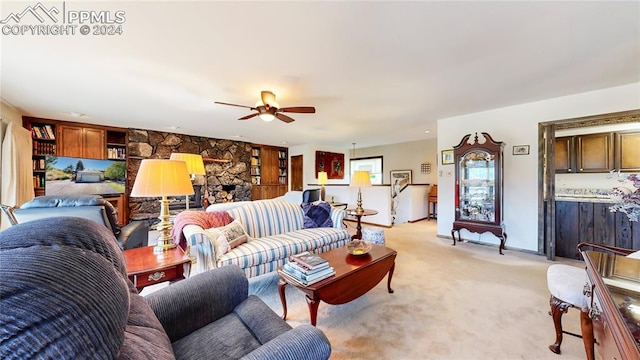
{"x":226,"y":164}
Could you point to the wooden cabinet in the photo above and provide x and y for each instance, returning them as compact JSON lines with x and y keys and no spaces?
{"x":564,"y":155}
{"x":118,"y":203}
{"x":591,"y":153}
{"x":69,"y":139}
{"x":598,"y":153}
{"x":116,"y":145}
{"x":594,"y":153}
{"x":43,"y":134}
{"x":627,"y":151}
{"x":478,"y":189}
{"x":269,"y":171}
{"x":592,"y":222}
{"x":83,"y":142}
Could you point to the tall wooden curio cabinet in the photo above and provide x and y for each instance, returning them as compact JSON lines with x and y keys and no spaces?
{"x":478,"y":191}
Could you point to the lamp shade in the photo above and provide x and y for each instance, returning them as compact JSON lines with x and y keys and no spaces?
{"x":322,"y":178}
{"x":161,"y":177}
{"x":361,"y":178}
{"x":195,"y":166}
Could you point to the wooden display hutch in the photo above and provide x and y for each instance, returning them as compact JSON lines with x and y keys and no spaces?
{"x":70,"y":139}
{"x":269,"y":171}
{"x":478,"y":191}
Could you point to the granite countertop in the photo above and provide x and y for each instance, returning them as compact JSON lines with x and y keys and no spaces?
{"x":584,"y":195}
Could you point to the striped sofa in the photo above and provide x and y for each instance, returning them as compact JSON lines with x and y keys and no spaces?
{"x":276,"y":230}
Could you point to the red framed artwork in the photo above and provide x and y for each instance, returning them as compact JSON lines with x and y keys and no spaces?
{"x":332,"y":163}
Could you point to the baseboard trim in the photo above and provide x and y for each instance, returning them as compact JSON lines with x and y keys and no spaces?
{"x":532,"y":252}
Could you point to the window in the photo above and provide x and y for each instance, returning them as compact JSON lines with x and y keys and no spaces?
{"x":371,"y":164}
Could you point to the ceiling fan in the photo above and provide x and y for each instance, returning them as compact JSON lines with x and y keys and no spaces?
{"x":268,"y":109}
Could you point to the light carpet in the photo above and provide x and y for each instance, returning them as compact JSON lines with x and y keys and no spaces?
{"x":450,"y":302}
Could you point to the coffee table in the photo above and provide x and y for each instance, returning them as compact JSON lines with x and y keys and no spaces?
{"x":355,"y":276}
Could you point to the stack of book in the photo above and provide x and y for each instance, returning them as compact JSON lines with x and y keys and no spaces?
{"x":306,"y":269}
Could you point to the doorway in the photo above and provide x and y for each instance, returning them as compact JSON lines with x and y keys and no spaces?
{"x":547,"y":173}
{"x":297,"y":174}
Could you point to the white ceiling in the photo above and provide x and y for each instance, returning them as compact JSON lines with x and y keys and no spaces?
{"x":377,"y":72}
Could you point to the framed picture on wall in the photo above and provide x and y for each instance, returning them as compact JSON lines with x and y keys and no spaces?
{"x":447,"y":157}
{"x":521,"y":150}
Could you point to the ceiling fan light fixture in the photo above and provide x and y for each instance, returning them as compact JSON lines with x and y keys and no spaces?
{"x":267,"y":117}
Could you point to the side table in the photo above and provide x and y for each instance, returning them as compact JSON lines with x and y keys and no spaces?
{"x":366,"y":212}
{"x":145,"y":268}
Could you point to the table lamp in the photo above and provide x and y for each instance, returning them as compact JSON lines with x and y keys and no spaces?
{"x":161,"y":177}
{"x":195,"y":166}
{"x":360,"y":179}
{"x":322,"y":180}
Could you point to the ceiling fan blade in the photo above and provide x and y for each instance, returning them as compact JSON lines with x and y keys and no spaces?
{"x":248,"y":116}
{"x":243,"y":106}
{"x":284,"y":118}
{"x":268,"y":98}
{"x":299,"y":109}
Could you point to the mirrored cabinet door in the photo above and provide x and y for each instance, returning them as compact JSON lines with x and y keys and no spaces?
{"x":477,"y":186}
{"x":478,"y":203}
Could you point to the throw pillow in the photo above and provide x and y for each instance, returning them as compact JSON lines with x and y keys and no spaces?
{"x":235,"y":233}
{"x":219,"y":241}
{"x":317,"y":214}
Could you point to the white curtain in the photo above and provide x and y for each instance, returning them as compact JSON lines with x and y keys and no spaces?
{"x":17,"y":171}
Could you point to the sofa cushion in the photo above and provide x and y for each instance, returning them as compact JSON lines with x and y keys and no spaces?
{"x":218,"y":241}
{"x":267,"y":249}
{"x":225,"y":338}
{"x":205,"y":220}
{"x":317,"y":214}
{"x":234,"y":233}
{"x":269,"y":217}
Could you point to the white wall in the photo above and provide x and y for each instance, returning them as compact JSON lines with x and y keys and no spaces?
{"x":412,"y":203}
{"x":402,"y":156}
{"x":406,"y":156}
{"x":518,"y":125}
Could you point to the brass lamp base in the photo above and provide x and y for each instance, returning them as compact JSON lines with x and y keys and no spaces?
{"x":165,"y":242}
{"x":359,"y":209}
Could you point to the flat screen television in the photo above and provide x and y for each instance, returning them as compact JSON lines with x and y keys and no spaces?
{"x":74,"y":176}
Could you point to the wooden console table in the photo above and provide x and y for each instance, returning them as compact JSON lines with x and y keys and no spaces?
{"x":613,"y":287}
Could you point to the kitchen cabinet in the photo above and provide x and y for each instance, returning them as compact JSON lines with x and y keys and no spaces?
{"x":592,"y":153}
{"x":564,"y":154}
{"x":478,"y":189}
{"x":627,"y":151}
{"x":590,"y":221}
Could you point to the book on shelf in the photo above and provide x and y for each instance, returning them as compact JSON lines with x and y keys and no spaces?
{"x":294,"y":279}
{"x":309,"y":260}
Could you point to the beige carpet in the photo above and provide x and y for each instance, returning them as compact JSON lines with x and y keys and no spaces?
{"x":450,"y":302}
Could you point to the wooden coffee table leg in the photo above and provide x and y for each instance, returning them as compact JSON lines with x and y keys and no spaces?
{"x":313,"y":309}
{"x":281,"y":287}
{"x":389,"y":278}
